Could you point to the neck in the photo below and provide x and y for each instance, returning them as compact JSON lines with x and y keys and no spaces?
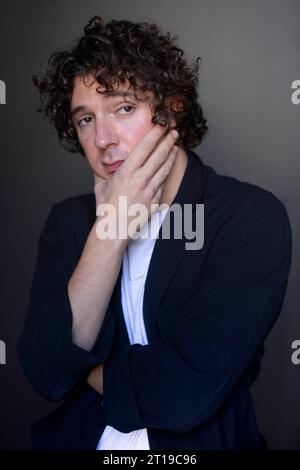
{"x":174,"y":178}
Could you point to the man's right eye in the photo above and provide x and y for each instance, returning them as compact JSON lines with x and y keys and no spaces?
{"x":84,"y":121}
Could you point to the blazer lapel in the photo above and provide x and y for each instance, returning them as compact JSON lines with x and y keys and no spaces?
{"x":168,"y":252}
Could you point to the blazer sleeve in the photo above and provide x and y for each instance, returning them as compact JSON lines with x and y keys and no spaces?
{"x":54,"y":366}
{"x":181,"y":383}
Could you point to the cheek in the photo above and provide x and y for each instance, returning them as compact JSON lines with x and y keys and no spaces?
{"x":85,"y":139}
{"x":137,"y":130}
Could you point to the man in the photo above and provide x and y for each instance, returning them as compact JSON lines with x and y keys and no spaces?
{"x":149,"y":344}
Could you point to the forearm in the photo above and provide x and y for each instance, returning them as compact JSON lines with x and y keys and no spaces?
{"x":91,"y":286}
{"x":95,"y":378}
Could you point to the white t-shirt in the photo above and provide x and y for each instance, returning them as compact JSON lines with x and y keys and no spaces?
{"x":135,"y":266}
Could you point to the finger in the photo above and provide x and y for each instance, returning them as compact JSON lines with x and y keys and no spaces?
{"x":163,"y":171}
{"x":155,"y":206}
{"x":160,"y":155}
{"x":142,"y":150}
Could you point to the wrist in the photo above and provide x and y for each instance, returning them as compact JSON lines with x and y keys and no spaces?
{"x":108,"y":239}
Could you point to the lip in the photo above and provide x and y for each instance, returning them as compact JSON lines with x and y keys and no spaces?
{"x":113,"y":166}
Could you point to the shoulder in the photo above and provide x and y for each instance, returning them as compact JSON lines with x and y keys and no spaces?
{"x":69,"y":221}
{"x":74,"y":212}
{"x":83,"y":205}
{"x":239,"y":213}
{"x":239,"y":198}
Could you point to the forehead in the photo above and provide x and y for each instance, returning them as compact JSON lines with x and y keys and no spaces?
{"x":85,"y":88}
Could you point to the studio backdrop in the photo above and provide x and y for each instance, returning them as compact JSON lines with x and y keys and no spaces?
{"x":249,"y":89}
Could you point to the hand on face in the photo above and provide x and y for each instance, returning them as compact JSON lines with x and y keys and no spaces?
{"x":142,"y":175}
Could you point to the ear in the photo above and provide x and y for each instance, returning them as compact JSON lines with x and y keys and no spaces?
{"x":175,"y":106}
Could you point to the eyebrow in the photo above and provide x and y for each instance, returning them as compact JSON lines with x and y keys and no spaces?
{"x":109,"y":94}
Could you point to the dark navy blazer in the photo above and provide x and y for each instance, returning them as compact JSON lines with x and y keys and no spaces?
{"x":206,"y":312}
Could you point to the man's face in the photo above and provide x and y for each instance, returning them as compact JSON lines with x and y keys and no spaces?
{"x":108,"y":127}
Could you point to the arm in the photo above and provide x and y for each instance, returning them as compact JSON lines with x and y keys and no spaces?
{"x":93,"y":280}
{"x":52,"y":363}
{"x":91,"y":286}
{"x":181,"y":383}
{"x":69,"y":327}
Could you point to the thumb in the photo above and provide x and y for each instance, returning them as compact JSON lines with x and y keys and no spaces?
{"x":99,"y":182}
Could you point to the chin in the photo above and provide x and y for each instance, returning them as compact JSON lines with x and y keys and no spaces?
{"x":103,"y":175}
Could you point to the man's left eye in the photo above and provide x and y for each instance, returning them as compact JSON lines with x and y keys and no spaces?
{"x":126,"y":110}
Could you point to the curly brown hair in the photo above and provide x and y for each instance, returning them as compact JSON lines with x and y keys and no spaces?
{"x":114,"y":53}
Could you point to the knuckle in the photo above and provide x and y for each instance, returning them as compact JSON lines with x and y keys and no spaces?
{"x":168,"y":169}
{"x":142,"y":181}
{"x":152,"y":190}
{"x":158,"y":194}
{"x":148,"y":140}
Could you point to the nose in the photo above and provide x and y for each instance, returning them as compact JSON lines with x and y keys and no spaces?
{"x":105,"y":133}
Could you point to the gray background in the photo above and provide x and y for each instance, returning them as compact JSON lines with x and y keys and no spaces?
{"x":250,"y":56}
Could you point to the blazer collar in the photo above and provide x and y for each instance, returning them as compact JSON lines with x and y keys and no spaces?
{"x":167,"y":252}
{"x":193,"y":183}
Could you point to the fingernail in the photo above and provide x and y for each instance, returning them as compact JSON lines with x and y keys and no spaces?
{"x":174,"y":134}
